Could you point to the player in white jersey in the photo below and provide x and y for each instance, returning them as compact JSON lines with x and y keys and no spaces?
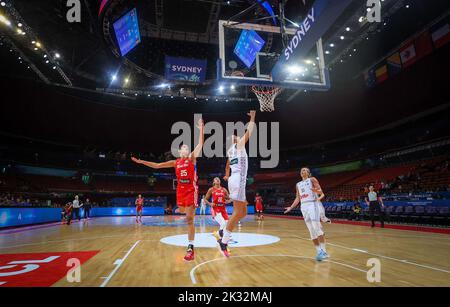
{"x":237,"y":163}
{"x":309,"y":194}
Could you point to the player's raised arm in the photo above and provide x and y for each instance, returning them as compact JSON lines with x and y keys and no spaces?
{"x":227,"y":171}
{"x":208,"y":196}
{"x":250,"y":128}
{"x":167,"y":164}
{"x":294,"y":203}
{"x":201,"y":139}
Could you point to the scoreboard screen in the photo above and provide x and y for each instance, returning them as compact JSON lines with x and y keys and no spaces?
{"x":127,"y":32}
{"x":247,"y":47}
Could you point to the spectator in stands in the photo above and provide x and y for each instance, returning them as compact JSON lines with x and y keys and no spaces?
{"x":375,"y":203}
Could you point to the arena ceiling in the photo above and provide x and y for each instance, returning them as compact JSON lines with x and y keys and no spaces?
{"x":183,"y":28}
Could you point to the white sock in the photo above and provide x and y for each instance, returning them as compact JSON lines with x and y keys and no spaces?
{"x":322,"y":247}
{"x":224,"y":225}
{"x":318,"y":249}
{"x":226,"y":236}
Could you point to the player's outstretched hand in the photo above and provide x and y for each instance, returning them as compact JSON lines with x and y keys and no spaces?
{"x":200,"y":123}
{"x":252,"y":114}
{"x":225,"y":178}
{"x":135,"y":160}
{"x":287,"y":210}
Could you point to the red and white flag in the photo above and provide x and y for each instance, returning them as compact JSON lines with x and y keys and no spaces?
{"x":408,"y":55}
{"x":441,"y":36}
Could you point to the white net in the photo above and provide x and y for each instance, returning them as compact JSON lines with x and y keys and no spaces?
{"x":266,"y":96}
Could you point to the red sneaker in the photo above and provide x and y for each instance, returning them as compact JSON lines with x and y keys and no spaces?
{"x":223,"y":249}
{"x":189,"y":255}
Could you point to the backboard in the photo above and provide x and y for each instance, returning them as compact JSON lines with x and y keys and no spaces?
{"x":248,"y":53}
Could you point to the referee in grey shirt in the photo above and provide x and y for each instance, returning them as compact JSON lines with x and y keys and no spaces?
{"x":76,"y":208}
{"x":375,"y":203}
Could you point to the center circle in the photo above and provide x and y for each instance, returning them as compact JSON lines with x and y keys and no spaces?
{"x":238,"y":239}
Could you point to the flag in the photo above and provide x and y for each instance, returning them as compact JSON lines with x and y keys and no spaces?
{"x":394,"y":64}
{"x":381,"y":73}
{"x":408,"y":55}
{"x":440,"y":34}
{"x":370,"y":78}
{"x":424,"y":45}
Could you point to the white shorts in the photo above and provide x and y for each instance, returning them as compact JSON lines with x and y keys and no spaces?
{"x":236,"y":187}
{"x":311,"y":211}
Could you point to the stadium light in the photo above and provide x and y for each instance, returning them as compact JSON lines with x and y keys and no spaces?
{"x":342,"y":37}
{"x":57,"y":55}
{"x":221,"y":88}
{"x":232,"y":87}
{"x":347,"y":29}
{"x":4,"y":20}
{"x":331,"y":45}
{"x":2,"y":3}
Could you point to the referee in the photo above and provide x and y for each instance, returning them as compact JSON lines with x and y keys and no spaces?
{"x":76,"y":208}
{"x":375,"y":203}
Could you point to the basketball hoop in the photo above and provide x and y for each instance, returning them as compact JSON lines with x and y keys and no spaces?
{"x":266,"y":96}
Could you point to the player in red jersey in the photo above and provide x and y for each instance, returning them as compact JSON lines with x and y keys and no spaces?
{"x":259,"y":207}
{"x":220,"y":198}
{"x":187,"y":190}
{"x":139,"y":205}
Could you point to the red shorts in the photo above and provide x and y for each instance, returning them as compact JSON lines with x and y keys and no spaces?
{"x":187,"y":196}
{"x":259,"y":208}
{"x":220,"y":209}
{"x":138,"y":209}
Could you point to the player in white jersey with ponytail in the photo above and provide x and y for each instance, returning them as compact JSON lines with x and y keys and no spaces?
{"x":237,"y":163}
{"x":309,"y":194}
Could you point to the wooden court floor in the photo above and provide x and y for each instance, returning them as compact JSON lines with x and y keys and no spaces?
{"x":133,"y":255}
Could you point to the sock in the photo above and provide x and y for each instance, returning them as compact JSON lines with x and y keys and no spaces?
{"x":226,"y":236}
{"x":221,"y":233}
{"x":322,"y":247}
{"x":191,"y":244}
{"x":317,"y":248}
